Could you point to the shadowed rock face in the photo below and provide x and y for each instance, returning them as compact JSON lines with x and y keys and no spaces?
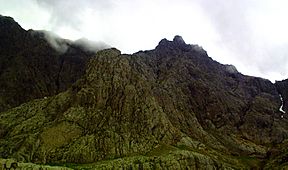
{"x":30,"y":68}
{"x":193,"y":85}
{"x":172,"y":107}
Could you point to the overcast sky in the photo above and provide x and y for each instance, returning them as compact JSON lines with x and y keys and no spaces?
{"x":250,"y":34}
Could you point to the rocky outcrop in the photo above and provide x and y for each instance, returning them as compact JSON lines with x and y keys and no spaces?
{"x":31,"y":67}
{"x":109,"y":113}
{"x":223,"y":102}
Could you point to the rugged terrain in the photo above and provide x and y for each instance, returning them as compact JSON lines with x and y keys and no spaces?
{"x":169,"y":108}
{"x":36,"y":64}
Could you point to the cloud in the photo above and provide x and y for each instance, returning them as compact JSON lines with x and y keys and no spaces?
{"x":26,"y":12}
{"x":56,"y":42}
{"x":92,"y":46}
{"x":71,"y":12}
{"x":62,"y":45}
{"x":247,"y":29}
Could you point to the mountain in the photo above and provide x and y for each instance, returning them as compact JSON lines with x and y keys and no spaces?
{"x":172,"y":107}
{"x":36,"y":64}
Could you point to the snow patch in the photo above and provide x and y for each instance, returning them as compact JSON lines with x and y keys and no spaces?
{"x":281,"y":107}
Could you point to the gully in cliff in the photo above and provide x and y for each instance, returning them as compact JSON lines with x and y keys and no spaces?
{"x":281,"y":107}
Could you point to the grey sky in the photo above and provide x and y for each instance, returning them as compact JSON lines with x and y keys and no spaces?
{"x":71,"y":12}
{"x":250,"y":34}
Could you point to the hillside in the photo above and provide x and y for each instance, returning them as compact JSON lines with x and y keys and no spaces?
{"x":173,"y":107}
{"x":30,"y":67}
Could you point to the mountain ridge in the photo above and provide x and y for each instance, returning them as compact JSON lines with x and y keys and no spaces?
{"x":36,"y":64}
{"x":171,"y":107}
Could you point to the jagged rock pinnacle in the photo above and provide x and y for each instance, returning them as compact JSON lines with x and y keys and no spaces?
{"x":163,"y":42}
{"x":177,"y":43}
{"x":178,"y":39}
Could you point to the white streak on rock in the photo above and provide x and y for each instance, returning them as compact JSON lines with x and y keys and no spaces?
{"x":281,"y":107}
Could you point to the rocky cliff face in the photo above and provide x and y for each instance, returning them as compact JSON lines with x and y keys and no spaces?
{"x":222,"y":101}
{"x":31,"y":67}
{"x":172,"y":107}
